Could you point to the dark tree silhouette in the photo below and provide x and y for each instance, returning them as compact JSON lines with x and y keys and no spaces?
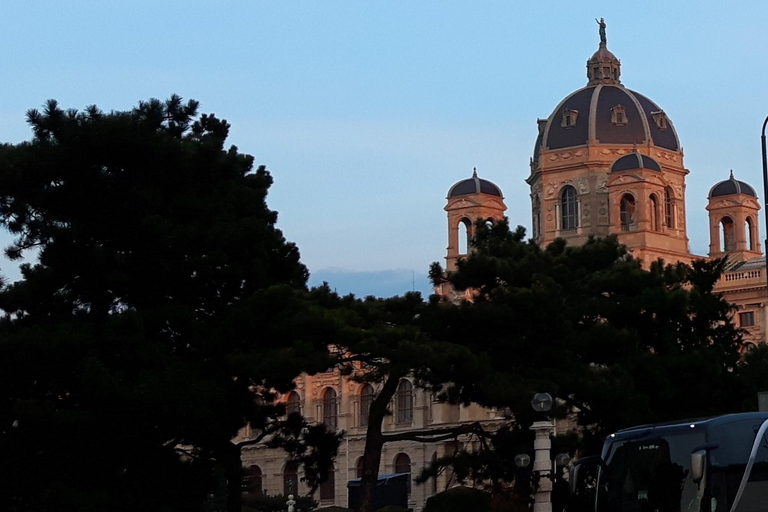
{"x":163,"y":312}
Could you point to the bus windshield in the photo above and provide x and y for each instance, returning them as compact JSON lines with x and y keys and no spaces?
{"x":649,"y":473}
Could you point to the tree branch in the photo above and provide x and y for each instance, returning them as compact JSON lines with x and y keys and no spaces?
{"x":438,"y":434}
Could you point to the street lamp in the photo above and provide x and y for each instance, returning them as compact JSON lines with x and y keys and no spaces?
{"x":765,"y":208}
{"x":542,"y":499}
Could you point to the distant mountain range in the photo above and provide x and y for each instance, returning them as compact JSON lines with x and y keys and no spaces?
{"x":380,"y":283}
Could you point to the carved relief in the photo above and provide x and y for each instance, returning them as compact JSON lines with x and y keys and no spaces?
{"x":608,"y":151}
{"x":582,"y":184}
{"x":566,"y":155}
{"x":603,"y":212}
{"x":667,"y":156}
{"x":601,"y":188}
{"x":551,"y":188}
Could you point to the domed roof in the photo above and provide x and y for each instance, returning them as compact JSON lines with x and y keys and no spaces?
{"x":606,"y":112}
{"x":635,"y":161}
{"x":731,"y":186}
{"x":474,"y":185}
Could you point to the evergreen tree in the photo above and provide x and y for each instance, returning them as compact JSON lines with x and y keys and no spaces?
{"x":164,"y":310}
{"x":617,"y":344}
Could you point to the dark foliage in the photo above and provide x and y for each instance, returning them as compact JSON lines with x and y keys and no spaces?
{"x":617,"y":344}
{"x":164,"y":305}
{"x":622,"y":344}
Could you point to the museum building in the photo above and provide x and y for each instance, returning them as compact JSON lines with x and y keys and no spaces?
{"x":607,"y":160}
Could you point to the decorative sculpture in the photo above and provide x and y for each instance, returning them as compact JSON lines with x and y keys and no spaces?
{"x":601,"y":23}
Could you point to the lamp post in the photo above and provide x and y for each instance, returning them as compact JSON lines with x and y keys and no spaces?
{"x":291,"y":502}
{"x":542,"y":464}
{"x":765,"y":208}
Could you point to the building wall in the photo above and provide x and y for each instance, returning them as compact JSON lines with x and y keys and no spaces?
{"x":426,"y":413}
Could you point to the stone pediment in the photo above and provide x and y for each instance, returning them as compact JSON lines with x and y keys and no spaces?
{"x":475,"y":201}
{"x":624,"y":179}
{"x":750,"y":203}
{"x":462,"y":202}
{"x":657,"y":180}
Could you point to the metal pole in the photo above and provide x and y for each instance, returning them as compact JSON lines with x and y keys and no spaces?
{"x":765,"y":212}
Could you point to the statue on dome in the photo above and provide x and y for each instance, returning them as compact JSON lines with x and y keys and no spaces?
{"x":601,"y":22}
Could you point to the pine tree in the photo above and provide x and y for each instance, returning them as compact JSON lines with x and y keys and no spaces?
{"x":163,"y":312}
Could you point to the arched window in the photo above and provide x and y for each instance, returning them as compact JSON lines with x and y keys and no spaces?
{"x":728,"y":234}
{"x":254,"y":482}
{"x":569,"y":209}
{"x":405,"y":402}
{"x":366,"y":399}
{"x":290,"y":479}
{"x":627,"y":213}
{"x":669,"y":216}
{"x":403,"y":465}
{"x":536,"y":216}
{"x":293,"y":404}
{"x":359,"y":467}
{"x":654,"y":213}
{"x":465,"y":236}
{"x":330,"y":411}
{"x":328,"y":487}
{"x":750,"y":229}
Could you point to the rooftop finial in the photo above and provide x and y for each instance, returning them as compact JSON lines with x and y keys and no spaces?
{"x":731,"y":173}
{"x":474,"y":172}
{"x":601,"y":23}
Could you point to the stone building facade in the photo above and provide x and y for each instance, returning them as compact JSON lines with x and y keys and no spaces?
{"x":607,"y":160}
{"x":332,"y":399}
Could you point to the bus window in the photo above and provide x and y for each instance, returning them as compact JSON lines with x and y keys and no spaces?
{"x":755,"y":497}
{"x":728,"y":463}
{"x":649,"y":475}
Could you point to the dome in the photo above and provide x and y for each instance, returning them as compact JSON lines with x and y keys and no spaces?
{"x":635,"y":161}
{"x":731,"y":186}
{"x":608,"y":114}
{"x":474,"y":185}
{"x":605,"y":112}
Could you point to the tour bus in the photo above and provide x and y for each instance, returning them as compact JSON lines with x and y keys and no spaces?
{"x":706,"y":465}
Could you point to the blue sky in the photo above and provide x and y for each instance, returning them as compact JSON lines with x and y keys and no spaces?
{"x":367,"y":112}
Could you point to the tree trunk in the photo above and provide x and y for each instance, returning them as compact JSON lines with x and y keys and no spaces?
{"x":374,"y":442}
{"x":233,"y":472}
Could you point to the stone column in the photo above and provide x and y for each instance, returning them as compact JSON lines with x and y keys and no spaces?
{"x":542,"y":465}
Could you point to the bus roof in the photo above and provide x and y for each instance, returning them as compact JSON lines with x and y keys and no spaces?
{"x":705,"y":423}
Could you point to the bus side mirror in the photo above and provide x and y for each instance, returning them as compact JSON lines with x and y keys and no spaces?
{"x":583,"y":475}
{"x":582,"y":484}
{"x":698,"y":463}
